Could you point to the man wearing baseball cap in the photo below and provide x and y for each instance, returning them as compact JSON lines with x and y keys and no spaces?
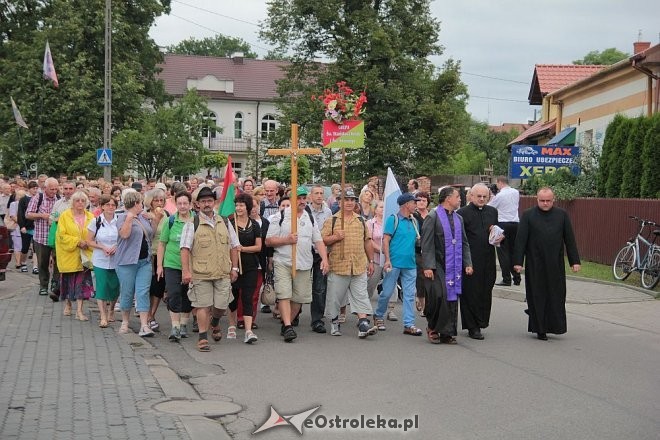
{"x":294,"y":291}
{"x":351,"y":262}
{"x":400,"y":233}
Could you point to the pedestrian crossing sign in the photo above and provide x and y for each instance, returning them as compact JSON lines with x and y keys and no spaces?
{"x":104,"y":156}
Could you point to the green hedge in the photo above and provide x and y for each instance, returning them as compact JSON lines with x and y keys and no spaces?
{"x":630,"y":158}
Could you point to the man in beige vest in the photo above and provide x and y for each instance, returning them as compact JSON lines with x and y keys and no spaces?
{"x":209,"y":261}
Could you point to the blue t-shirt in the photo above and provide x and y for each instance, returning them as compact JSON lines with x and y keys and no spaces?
{"x":402,"y":244}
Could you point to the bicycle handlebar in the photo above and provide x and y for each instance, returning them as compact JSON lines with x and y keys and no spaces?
{"x":642,"y":221}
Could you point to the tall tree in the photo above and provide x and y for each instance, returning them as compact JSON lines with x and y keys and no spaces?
{"x":650,"y":179}
{"x":382,"y":47}
{"x":165,"y":139}
{"x":609,"y":150}
{"x":218,"y":46}
{"x":66,"y":123}
{"x":631,"y":158}
{"x":608,"y":56}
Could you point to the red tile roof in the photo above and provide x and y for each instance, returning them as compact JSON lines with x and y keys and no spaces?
{"x":551,"y":77}
{"x":253,"y":79}
{"x":507,"y":127}
{"x":537,"y":130}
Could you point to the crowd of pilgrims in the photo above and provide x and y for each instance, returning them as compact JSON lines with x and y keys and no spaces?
{"x":85,"y":253}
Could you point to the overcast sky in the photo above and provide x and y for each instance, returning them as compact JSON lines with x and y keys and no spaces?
{"x":500,"y":39}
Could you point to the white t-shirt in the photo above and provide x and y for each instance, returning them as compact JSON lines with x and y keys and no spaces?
{"x":308,"y":234}
{"x":506,"y":201}
{"x":106,"y":236}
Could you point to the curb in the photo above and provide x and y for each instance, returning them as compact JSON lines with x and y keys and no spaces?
{"x":652,"y":293}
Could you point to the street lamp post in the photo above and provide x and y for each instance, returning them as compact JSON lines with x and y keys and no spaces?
{"x":107,"y":94}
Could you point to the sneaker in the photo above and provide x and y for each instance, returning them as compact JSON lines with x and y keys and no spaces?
{"x":366,"y":329}
{"x":250,"y":337}
{"x":175,"y":334}
{"x":43,"y":292}
{"x":24,"y":268}
{"x":146,"y":332}
{"x":391,"y":316}
{"x":153,"y":325}
{"x":319,"y":327}
{"x":335,"y":328}
{"x":289,"y":334}
{"x":183,"y":331}
{"x":117,"y":307}
{"x":265,"y":309}
{"x":35,"y":271}
{"x":295,"y":321}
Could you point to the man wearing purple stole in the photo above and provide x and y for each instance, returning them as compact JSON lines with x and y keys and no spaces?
{"x":445,"y":257}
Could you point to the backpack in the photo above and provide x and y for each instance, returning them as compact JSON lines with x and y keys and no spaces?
{"x":99,"y":223}
{"x":41,"y":200}
{"x":396,"y":224}
{"x":364,"y":226}
{"x":309,"y":212}
{"x":172,"y":217}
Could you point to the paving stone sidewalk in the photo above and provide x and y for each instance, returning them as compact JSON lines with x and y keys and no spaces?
{"x":61,"y":378}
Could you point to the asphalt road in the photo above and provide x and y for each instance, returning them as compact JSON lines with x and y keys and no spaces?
{"x":599,"y":381}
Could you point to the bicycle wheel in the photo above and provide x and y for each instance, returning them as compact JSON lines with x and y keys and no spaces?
{"x":651,"y":272}
{"x":624,"y":262}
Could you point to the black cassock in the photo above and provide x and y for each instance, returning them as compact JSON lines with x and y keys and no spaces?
{"x":540,"y":242}
{"x":477,"y":296}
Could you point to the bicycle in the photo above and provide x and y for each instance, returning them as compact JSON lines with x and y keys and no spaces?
{"x":629,"y":258}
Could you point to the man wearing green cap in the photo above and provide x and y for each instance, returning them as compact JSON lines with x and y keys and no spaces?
{"x":292,"y":291}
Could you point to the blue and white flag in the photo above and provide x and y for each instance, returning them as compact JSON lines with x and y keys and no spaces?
{"x":392,"y":192}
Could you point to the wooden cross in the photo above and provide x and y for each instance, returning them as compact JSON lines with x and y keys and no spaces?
{"x":294,"y":151}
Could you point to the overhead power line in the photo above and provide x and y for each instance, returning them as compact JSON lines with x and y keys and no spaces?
{"x":215,"y":13}
{"x":498,"y":99}
{"x":496,"y":78}
{"x":213,"y":30}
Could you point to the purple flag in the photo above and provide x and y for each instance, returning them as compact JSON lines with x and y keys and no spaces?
{"x":49,"y":67}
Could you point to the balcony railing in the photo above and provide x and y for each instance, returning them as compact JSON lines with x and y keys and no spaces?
{"x":228,"y":144}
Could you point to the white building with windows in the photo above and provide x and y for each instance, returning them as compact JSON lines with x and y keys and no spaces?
{"x":241,"y":96}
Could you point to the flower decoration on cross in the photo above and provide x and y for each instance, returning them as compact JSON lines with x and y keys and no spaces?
{"x":342,"y":104}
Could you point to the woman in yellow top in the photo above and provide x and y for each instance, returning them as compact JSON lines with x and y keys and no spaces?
{"x":70,"y":243}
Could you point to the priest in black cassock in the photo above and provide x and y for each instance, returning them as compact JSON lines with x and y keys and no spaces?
{"x":542,"y":234}
{"x":477,"y":296}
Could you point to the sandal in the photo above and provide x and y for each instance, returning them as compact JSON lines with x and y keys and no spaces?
{"x":276,"y":315}
{"x":446,"y":339}
{"x":216,"y":333}
{"x":67,"y":311}
{"x":380,"y":323}
{"x":203,"y":345}
{"x":123,"y":329}
{"x":231,"y":332}
{"x":241,"y":324}
{"x":81,"y":316}
{"x":433,"y":336}
{"x":103,"y":323}
{"x":412,"y":330}
{"x":342,"y":318}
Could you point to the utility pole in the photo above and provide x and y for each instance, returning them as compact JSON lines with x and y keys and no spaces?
{"x":107,"y":95}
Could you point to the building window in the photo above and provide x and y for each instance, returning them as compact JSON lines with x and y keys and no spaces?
{"x":268,"y":126}
{"x":210,"y":122}
{"x":238,"y":125}
{"x":587,"y":138}
{"x":238,"y":168}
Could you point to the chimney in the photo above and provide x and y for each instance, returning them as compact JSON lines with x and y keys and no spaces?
{"x":237,"y":57}
{"x":640,"y":46}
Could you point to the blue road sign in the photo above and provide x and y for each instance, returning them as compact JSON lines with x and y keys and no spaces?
{"x":103,"y":156}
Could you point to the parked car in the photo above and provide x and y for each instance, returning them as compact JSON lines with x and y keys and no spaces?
{"x":5,"y":254}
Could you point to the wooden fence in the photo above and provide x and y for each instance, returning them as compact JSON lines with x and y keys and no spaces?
{"x":602,"y":226}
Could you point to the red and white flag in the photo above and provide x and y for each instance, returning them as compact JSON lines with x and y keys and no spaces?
{"x":49,"y":67}
{"x":17,"y":114}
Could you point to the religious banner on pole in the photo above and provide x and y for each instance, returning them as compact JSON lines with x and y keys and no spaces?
{"x":342,"y":127}
{"x":348,"y":134}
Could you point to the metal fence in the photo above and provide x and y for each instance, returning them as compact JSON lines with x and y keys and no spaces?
{"x":602,"y":226}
